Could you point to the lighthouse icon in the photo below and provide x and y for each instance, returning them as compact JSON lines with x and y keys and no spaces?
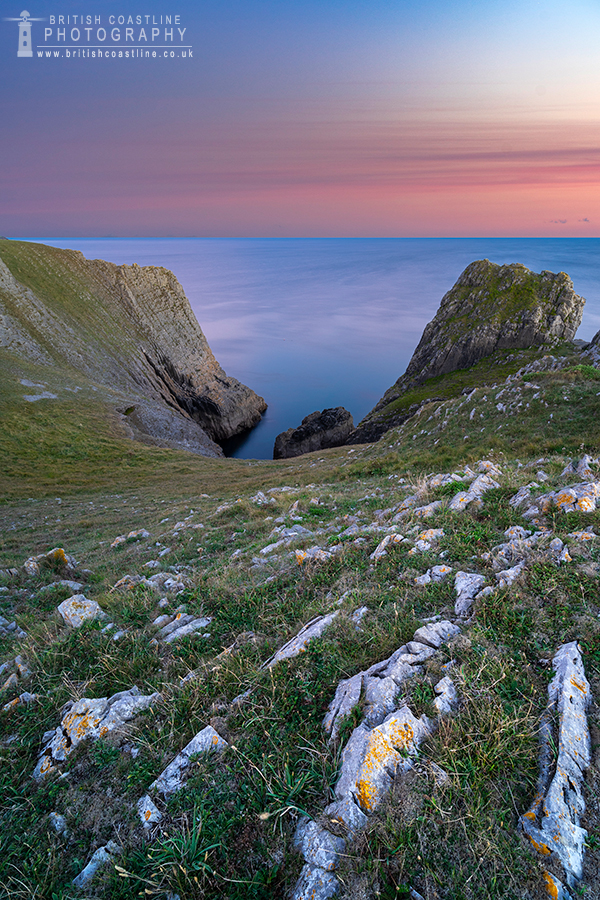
{"x":25,"y":47}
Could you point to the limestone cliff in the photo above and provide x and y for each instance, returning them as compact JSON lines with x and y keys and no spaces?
{"x":490,"y":308}
{"x":130,"y":328}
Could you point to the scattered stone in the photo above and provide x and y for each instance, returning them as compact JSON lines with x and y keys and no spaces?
{"x":478,"y":488}
{"x":507,"y":576}
{"x":11,"y":629}
{"x":443,"y":479}
{"x":89,"y":719}
{"x":130,"y":582}
{"x":552,"y":822}
{"x":22,"y":700}
{"x":172,"y":778}
{"x":437,"y":633}
{"x":426,"y":512}
{"x":466,"y":585}
{"x":74,"y":587}
{"x":447,"y":699}
{"x":100,"y":858}
{"x":312,"y":629}
{"x":149,"y":813}
{"x":318,"y":554}
{"x":138,"y":535}
{"x":315,"y":884}
{"x":381,"y":549}
{"x":434,"y":575}
{"x":318,"y":845}
{"x":59,"y":824}
{"x":583,"y":536}
{"x":78,"y":609}
{"x":522,"y":494}
{"x":425,"y":540}
{"x":358,"y":615}
{"x":179,"y":625}
{"x":580,"y":467}
{"x":261,"y":500}
{"x":55,"y":559}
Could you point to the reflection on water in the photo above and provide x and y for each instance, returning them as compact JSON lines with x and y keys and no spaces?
{"x":316,"y":323}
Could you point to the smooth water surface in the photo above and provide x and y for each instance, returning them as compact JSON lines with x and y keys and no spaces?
{"x":315,"y":323}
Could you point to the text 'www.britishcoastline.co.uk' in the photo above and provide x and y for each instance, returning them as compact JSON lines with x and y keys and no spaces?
{"x":102,"y":37}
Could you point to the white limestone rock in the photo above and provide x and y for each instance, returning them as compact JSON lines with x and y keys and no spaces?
{"x":89,"y":718}
{"x":148,"y":812}
{"x":173,"y":777}
{"x":315,"y":884}
{"x":312,"y":629}
{"x":436,"y":633}
{"x":318,"y":846}
{"x":78,"y":609}
{"x":552,"y":823}
{"x":100,"y":858}
{"x":382,"y":547}
{"x":447,"y":698}
{"x":466,"y":585}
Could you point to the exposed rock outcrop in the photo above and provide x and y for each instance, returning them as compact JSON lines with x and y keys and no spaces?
{"x":318,"y":431}
{"x":490,"y":308}
{"x":129,"y":328}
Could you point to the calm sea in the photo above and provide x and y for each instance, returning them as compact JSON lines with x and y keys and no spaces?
{"x":315,"y":323}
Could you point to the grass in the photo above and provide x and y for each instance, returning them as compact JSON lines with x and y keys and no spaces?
{"x":72,"y":478}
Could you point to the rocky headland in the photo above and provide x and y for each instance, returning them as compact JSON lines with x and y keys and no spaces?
{"x":491,"y":308}
{"x":129,"y":330}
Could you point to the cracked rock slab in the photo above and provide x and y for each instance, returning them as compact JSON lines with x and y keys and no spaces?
{"x":318,"y":846}
{"x":179,"y":625}
{"x":89,"y":718}
{"x":466,"y":585}
{"x":447,"y":698}
{"x":100,"y":858}
{"x":436,"y":633}
{"x":552,"y":822}
{"x":372,"y":757}
{"x":56,"y":559}
{"x":382,"y":547}
{"x":313,"y":629}
{"x":315,"y":884}
{"x":173,"y":777}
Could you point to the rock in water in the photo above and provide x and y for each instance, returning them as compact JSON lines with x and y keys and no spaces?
{"x":318,"y":431}
{"x":490,"y":308}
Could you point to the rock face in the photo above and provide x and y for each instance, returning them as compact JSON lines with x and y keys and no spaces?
{"x":130,"y":329}
{"x":490,"y":308}
{"x":318,"y":431}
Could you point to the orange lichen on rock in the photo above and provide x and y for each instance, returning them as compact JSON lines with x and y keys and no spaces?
{"x":382,"y":753}
{"x":550,"y":885}
{"x":542,"y":848}
{"x":580,"y":687}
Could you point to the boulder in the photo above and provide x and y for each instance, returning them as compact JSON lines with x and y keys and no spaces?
{"x":318,"y":431}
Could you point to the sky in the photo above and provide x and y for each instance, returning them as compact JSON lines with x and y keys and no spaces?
{"x":320,"y":118}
